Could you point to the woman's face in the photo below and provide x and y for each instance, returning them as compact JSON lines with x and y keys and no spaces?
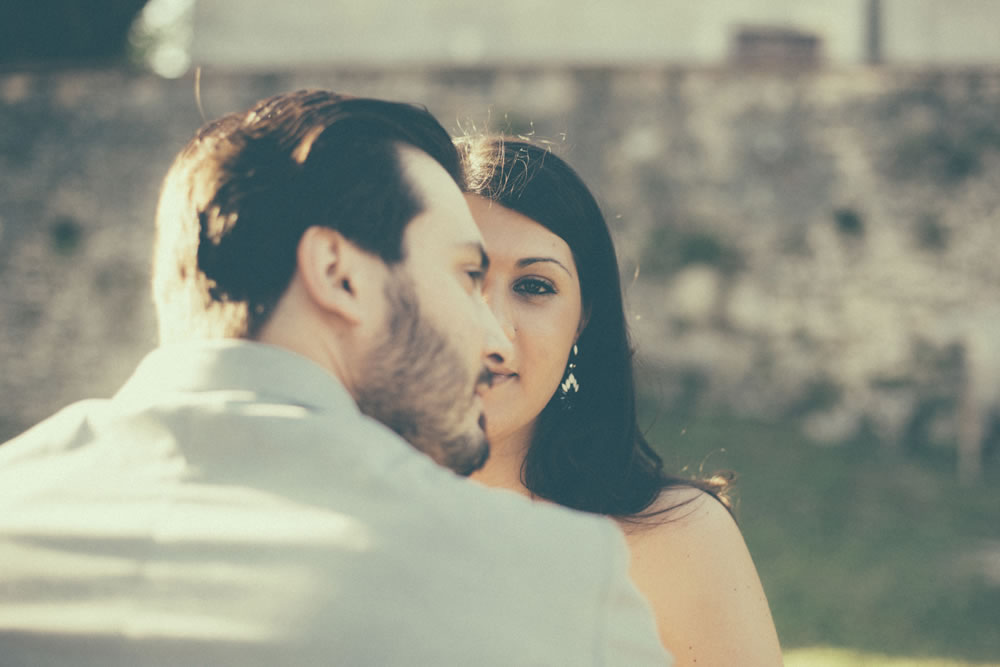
{"x":534,"y":292}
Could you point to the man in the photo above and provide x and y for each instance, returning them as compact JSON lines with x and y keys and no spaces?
{"x":240,"y":501}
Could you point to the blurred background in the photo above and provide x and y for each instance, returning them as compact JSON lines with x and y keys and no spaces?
{"x":805,"y":196}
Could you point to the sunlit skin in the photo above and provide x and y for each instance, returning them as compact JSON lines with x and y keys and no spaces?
{"x":534,"y":292}
{"x":336,"y":312}
{"x":694,"y":569}
{"x":446,"y":266}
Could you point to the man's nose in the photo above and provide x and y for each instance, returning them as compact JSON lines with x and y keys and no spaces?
{"x":498,"y":305}
{"x":499,"y":333}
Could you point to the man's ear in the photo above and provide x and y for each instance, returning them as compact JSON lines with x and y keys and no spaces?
{"x":330,"y":267}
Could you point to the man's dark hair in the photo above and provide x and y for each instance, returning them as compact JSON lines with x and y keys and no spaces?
{"x":239,"y":196}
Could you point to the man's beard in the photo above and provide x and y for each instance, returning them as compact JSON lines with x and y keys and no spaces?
{"x":415,"y":383}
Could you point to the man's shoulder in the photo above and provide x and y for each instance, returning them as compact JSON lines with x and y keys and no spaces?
{"x":375,"y":527}
{"x":62,"y":431}
{"x":274,"y":455}
{"x":544,"y":521}
{"x":341,"y":454}
{"x":489,"y":510}
{"x":558,"y":546}
{"x":423,"y":507}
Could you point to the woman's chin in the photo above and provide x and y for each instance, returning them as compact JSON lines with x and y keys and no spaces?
{"x":497,"y":428}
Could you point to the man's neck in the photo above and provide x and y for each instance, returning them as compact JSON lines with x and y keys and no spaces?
{"x":303,"y":335}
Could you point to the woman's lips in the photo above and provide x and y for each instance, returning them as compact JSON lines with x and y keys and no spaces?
{"x":501,"y":378}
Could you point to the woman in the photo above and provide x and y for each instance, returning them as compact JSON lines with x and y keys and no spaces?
{"x":561,"y":414}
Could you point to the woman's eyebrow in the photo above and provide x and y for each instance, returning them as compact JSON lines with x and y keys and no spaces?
{"x":527,"y":261}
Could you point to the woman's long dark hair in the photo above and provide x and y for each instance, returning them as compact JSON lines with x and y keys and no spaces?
{"x":592,"y":457}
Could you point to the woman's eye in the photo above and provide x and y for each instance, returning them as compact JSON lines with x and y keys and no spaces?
{"x":533,"y":287}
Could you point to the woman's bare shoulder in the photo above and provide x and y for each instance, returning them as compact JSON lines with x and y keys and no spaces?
{"x":693,"y":565}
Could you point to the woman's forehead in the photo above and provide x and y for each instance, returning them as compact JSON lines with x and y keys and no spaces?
{"x":514,"y":235}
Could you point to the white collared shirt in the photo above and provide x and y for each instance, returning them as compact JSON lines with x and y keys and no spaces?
{"x":231,"y":506}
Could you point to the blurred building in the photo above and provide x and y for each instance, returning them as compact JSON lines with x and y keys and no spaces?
{"x":258,"y":33}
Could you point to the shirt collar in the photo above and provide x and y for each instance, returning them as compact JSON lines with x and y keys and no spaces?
{"x":236,"y":365}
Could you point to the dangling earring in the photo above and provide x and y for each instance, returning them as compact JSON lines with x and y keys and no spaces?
{"x":569,"y":385}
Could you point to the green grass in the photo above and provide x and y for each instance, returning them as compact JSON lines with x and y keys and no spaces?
{"x":830,"y":657}
{"x":867,"y":556}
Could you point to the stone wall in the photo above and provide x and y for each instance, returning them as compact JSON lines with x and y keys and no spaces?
{"x":813,"y":246}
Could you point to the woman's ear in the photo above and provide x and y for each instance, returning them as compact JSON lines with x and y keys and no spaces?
{"x":584,"y":318}
{"x":329,"y":266}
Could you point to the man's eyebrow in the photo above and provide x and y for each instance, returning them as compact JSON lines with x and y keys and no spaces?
{"x":475,"y":246}
{"x":527,"y":261}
